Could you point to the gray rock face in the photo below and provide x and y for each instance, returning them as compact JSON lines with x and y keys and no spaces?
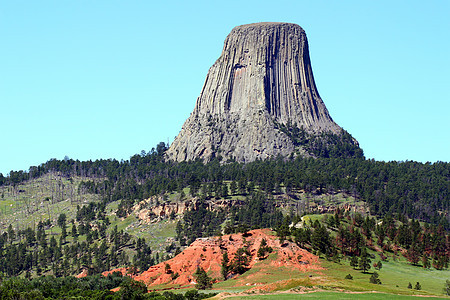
{"x":262,"y":80}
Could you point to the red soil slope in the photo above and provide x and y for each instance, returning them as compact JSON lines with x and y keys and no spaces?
{"x":207,"y":253}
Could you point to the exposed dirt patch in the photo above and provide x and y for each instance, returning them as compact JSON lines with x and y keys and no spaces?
{"x":83,"y":273}
{"x":207,"y":253}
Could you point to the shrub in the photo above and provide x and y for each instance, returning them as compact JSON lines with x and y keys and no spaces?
{"x":167,"y":269}
{"x":175,"y":275}
{"x":447,"y":288}
{"x":264,"y":249}
{"x":374,"y":278}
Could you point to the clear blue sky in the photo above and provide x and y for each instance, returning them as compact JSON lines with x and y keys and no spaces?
{"x":107,"y":79}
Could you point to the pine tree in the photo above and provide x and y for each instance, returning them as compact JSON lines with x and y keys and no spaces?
{"x":74,"y":231}
{"x":11,"y":234}
{"x":233,"y":187}
{"x":320,"y":239}
{"x":167,"y":269}
{"x":425,"y":261}
{"x":413,"y":254}
{"x":225,"y":266}
{"x":378,"y":265}
{"x":364,"y":261}
{"x":240,"y":261}
{"x":354,"y":262}
{"x":447,"y":288}
{"x":263,"y":249}
{"x":203,"y":280}
{"x":62,"y":220}
{"x":374,"y":278}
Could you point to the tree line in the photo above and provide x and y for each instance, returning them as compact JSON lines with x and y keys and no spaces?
{"x":350,"y":235}
{"x":90,"y":287}
{"x":85,"y":243}
{"x":417,"y":190}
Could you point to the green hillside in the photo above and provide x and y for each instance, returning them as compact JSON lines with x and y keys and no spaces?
{"x":68,"y":217}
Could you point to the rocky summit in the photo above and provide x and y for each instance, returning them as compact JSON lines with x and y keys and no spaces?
{"x":259,"y":100}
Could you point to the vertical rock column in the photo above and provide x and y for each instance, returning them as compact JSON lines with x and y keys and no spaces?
{"x":262,"y":79}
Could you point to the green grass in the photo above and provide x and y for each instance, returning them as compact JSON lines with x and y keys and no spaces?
{"x":263,"y":273}
{"x":158,"y":235}
{"x":311,"y":218}
{"x":401,"y":273}
{"x":394,"y":275}
{"x":175,"y":196}
{"x":15,"y":204}
{"x":40,"y":199}
{"x":329,"y":295}
{"x":25,"y":205}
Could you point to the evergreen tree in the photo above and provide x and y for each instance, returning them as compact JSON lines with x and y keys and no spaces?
{"x":364,"y":261}
{"x":263,"y":249}
{"x":11,"y":234}
{"x":240,"y":261}
{"x":74,"y":231}
{"x":320,"y":239}
{"x":203,"y":280}
{"x":354,"y":262}
{"x":378,"y":265}
{"x":374,"y":278}
{"x":62,"y":220}
{"x":225,"y":267}
{"x":425,"y":261}
{"x":447,"y":288}
{"x":233,"y":187}
{"x":413,"y":254}
{"x":167,"y":269}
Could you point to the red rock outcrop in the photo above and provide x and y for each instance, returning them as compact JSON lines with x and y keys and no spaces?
{"x":207,"y":254}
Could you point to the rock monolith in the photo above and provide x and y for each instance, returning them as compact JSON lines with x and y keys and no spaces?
{"x":260,"y":87}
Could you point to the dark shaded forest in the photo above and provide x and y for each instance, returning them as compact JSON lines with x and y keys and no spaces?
{"x":90,"y":287}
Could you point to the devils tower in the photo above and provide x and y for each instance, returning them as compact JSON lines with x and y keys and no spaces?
{"x":255,"y":98}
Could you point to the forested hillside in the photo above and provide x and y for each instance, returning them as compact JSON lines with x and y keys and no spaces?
{"x":83,"y":234}
{"x":417,"y":190}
